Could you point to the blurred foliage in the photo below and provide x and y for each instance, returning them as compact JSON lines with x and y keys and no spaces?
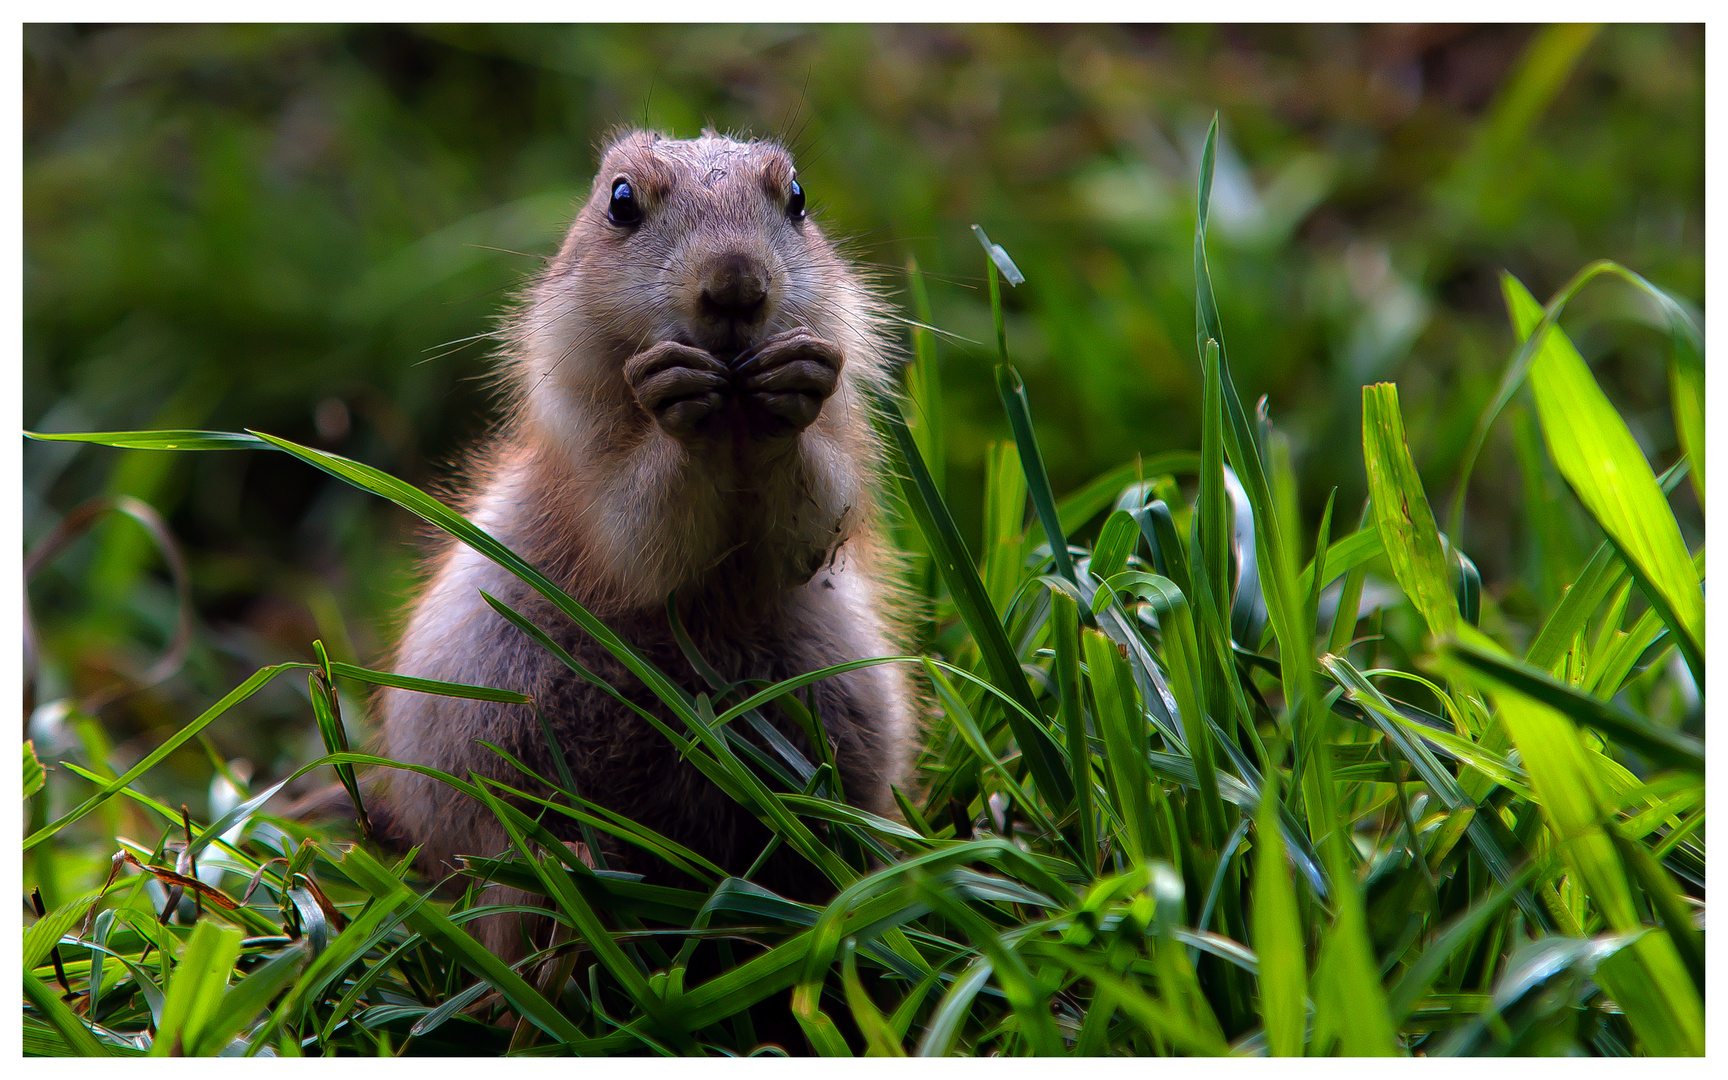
{"x":310,"y":231}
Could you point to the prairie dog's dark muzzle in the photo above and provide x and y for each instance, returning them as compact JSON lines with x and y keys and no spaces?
{"x":734,"y":287}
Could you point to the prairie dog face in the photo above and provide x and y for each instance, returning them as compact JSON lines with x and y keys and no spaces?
{"x":705,"y":242}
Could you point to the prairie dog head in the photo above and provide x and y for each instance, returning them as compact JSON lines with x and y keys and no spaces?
{"x":707,"y":242}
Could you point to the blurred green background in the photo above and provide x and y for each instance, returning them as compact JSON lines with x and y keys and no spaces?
{"x":311,"y":230}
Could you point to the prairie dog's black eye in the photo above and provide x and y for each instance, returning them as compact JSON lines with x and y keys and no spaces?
{"x":795,"y":204}
{"x":624,"y":210}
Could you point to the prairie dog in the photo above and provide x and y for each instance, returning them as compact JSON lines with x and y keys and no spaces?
{"x":689,"y":416}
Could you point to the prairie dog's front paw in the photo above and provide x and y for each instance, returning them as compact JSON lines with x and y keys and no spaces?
{"x":682,"y":387}
{"x":785,"y":381}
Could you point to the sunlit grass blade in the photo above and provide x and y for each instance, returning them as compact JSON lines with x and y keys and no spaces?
{"x":1648,"y":980}
{"x":1350,"y":1012}
{"x":1686,"y":382}
{"x":199,"y":980}
{"x":248,"y":998}
{"x":1597,"y":455}
{"x":1601,"y":576}
{"x":1665,"y":898}
{"x":1661,"y":745}
{"x":1535,"y":336}
{"x":159,"y":440}
{"x":1401,"y":511}
{"x":1345,"y":555}
{"x":1490,"y":842}
{"x":34,"y":776}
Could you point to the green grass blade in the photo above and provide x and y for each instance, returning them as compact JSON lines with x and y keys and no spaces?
{"x":159,"y":440}
{"x":1182,"y":654}
{"x":1322,"y":540}
{"x":1025,"y":996}
{"x":248,"y":998}
{"x":1345,"y":555}
{"x":1019,"y":410}
{"x":957,"y":569}
{"x":374,"y":878}
{"x":1070,"y":693}
{"x":1487,"y":840}
{"x":1350,"y":1012}
{"x":1665,"y":898}
{"x":1685,"y":333}
{"x":594,"y":933}
{"x":45,"y":933}
{"x":436,"y":513}
{"x":78,"y":1036}
{"x":924,"y":382}
{"x":1595,"y":452}
{"x":968,"y":728}
{"x":1278,"y":934}
{"x":429,"y":686}
{"x":1686,"y":382}
{"x":1210,"y":560}
{"x":1115,"y":543}
{"x":1462,"y":932}
{"x":1661,"y":745}
{"x":194,"y":992}
{"x":951,"y":1011}
{"x":880,"y":1038}
{"x":1004,"y":524}
{"x":1648,"y":980}
{"x":1602,"y":575}
{"x":174,"y":742}
{"x":1096,"y":495}
{"x":34,"y":775}
{"x":1402,"y":514}
{"x":1123,"y":726}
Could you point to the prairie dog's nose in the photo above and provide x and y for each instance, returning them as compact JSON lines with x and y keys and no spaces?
{"x":734,"y":285}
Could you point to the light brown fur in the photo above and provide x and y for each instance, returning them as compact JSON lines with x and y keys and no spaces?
{"x":767,"y":534}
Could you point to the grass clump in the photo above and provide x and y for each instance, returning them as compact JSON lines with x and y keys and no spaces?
{"x":1182,"y":793}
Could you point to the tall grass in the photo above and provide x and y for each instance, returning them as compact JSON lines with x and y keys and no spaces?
{"x":1181,"y":793}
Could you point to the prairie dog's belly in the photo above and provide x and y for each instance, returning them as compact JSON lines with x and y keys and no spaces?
{"x":617,"y":758}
